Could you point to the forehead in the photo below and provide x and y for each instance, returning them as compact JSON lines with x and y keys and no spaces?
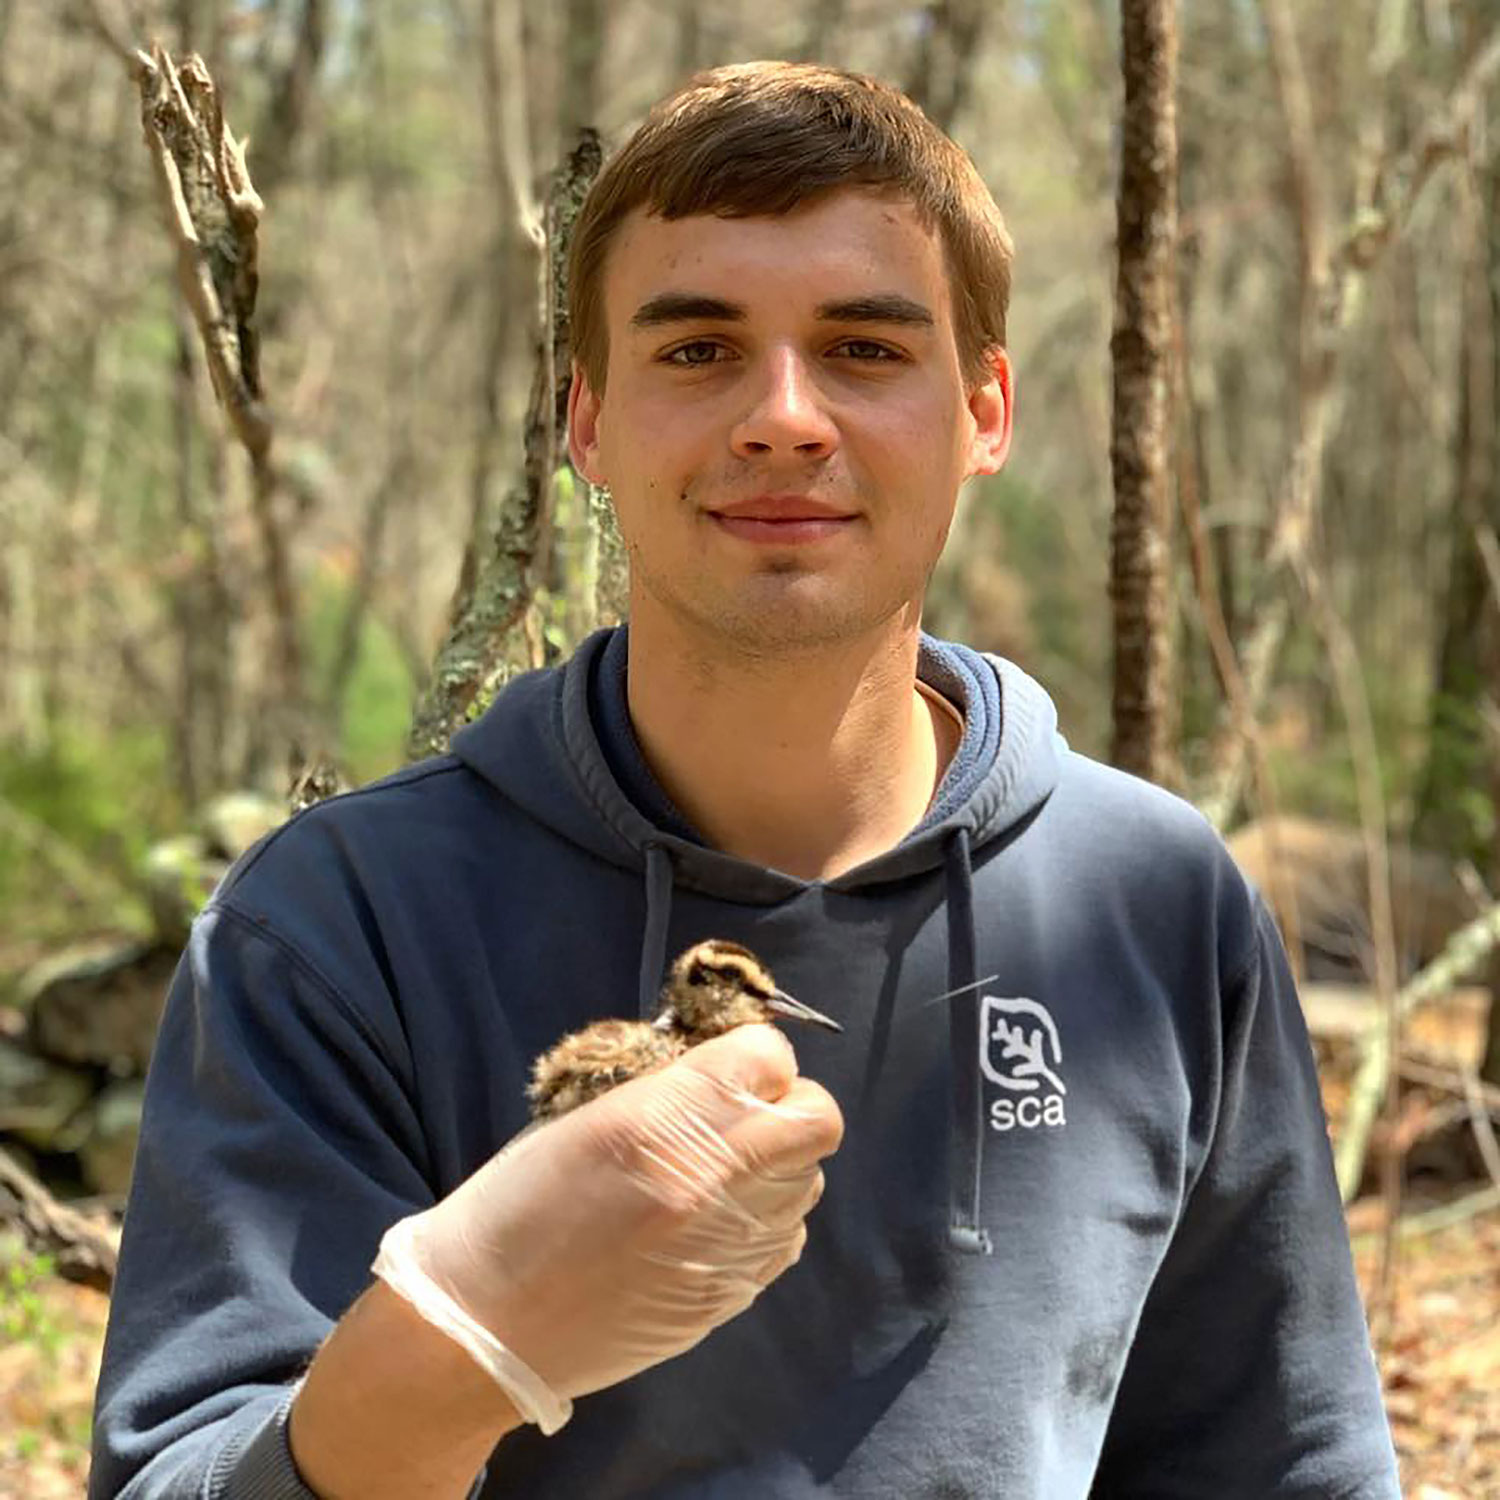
{"x":854,"y":241}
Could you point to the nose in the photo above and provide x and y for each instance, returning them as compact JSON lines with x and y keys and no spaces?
{"x":786,"y":415}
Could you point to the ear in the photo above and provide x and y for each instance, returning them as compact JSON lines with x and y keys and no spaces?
{"x":584,"y":407}
{"x":990,"y":405}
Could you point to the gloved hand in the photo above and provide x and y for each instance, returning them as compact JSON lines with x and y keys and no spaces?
{"x":601,"y":1243}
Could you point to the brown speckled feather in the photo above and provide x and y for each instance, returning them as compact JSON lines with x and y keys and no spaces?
{"x":713,"y":987}
{"x":592,"y":1061}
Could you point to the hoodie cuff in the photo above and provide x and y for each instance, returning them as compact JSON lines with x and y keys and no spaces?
{"x":258,"y":1465}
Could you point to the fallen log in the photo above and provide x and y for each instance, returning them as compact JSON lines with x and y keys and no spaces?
{"x":81,"y":1248}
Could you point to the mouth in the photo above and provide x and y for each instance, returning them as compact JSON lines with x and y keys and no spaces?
{"x":784,"y":1005}
{"x":782,"y":520}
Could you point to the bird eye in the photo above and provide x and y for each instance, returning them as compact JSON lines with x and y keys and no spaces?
{"x":698,"y":974}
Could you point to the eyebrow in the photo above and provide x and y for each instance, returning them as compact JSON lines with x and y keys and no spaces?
{"x":883,"y":307}
{"x":686,"y":307}
{"x":694,"y":307}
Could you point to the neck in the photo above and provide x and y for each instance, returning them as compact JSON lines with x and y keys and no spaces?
{"x":810,"y":763}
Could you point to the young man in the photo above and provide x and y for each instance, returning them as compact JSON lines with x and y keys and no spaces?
{"x":1081,"y":1235}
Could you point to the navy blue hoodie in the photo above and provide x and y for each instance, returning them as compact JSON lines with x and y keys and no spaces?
{"x":1082,"y":1237}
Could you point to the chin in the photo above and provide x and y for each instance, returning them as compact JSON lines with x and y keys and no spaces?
{"x":798,"y":619}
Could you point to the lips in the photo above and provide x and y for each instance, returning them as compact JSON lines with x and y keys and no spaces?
{"x":781,"y":520}
{"x":781,"y":508}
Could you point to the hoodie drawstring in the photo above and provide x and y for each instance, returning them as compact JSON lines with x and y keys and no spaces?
{"x":658,"y":917}
{"x":964,"y":1230}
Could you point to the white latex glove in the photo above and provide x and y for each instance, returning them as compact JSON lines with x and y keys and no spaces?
{"x":604,"y":1242}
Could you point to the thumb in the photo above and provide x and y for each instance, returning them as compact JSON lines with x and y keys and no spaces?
{"x":755,"y":1060}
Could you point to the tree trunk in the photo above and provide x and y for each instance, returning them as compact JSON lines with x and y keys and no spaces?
{"x":1141,"y":351}
{"x":492,"y":637}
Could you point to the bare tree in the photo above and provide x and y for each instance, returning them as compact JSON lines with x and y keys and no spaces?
{"x":494,"y":634}
{"x":1141,"y":351}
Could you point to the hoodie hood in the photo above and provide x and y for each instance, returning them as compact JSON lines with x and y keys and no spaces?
{"x":540,"y":746}
{"x":551,"y":742}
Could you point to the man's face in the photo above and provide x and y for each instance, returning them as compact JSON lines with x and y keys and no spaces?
{"x":785,"y":424}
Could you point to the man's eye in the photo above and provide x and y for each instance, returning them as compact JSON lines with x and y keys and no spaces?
{"x":866,"y":349}
{"x":698,"y":352}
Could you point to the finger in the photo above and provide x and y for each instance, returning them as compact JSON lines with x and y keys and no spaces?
{"x":780,"y":1203}
{"x":785,"y":1139}
{"x":681,"y":1111}
{"x":688,"y":1131}
{"x":757,"y":1060}
{"x":783,"y":1258}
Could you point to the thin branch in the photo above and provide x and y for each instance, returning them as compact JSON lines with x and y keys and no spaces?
{"x":503,"y":57}
{"x":1449,"y":1216}
{"x":1463,"y":951}
{"x":1480,"y":1124}
{"x":1464,"y":1082}
{"x":1297,"y":115}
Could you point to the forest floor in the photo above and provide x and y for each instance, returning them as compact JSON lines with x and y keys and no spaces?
{"x":1437,"y":1332}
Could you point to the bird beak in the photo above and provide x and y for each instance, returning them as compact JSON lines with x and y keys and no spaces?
{"x":794,"y":1010}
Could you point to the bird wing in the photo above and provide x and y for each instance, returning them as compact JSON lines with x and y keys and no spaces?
{"x":590,"y":1062}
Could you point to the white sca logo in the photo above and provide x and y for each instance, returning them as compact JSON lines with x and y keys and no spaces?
{"x":1022,"y":1054}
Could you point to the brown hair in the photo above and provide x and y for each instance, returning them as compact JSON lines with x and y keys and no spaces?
{"x":769,"y":137}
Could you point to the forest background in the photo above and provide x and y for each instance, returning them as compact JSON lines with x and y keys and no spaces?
{"x":178,"y":620}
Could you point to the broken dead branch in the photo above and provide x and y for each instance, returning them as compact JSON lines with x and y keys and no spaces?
{"x":213,"y":215}
{"x":83,"y":1250}
{"x":1448,"y":1216}
{"x":1469,"y":946}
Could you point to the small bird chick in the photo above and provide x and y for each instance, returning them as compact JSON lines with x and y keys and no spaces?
{"x":712,"y":988}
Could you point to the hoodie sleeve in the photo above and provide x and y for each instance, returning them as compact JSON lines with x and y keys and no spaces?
{"x":278,"y":1141}
{"x":1251,"y":1373}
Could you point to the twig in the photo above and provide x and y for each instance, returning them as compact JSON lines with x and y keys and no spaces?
{"x":1463,"y":951}
{"x":1476,"y":1102}
{"x":1484,"y":1130}
{"x":1462,"y":1081}
{"x":504,"y":60}
{"x":1446,"y":1217}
